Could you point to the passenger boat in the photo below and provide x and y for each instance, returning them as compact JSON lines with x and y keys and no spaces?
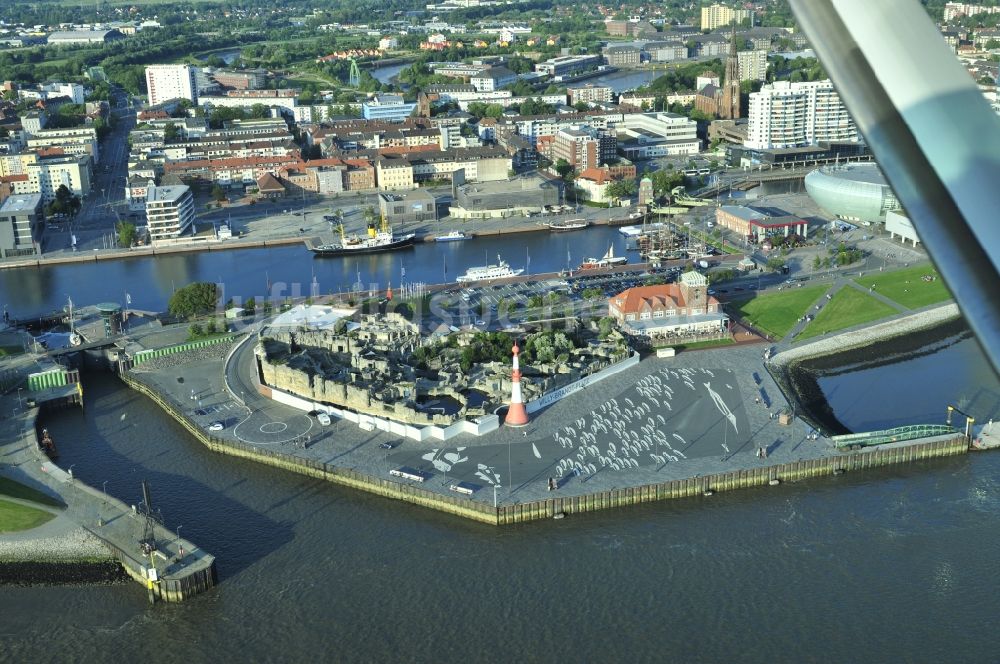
{"x":376,"y":241}
{"x":609,"y":260}
{"x":453,"y":236}
{"x":488,"y":272}
{"x":568,"y":225}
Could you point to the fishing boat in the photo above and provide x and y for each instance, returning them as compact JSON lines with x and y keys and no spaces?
{"x":377,"y":240}
{"x":567,"y":225}
{"x":608,"y":260}
{"x":453,"y":236}
{"x":501,"y":270}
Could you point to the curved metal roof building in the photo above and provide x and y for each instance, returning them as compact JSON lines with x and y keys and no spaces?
{"x":855,"y":192}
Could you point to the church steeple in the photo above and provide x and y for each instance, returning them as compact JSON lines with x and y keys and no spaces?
{"x":731,"y":107}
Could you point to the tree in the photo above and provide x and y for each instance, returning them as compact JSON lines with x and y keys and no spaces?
{"x":563,"y":168}
{"x":126,"y":233}
{"x":259,"y":112}
{"x":218,"y":193}
{"x":198,"y":298}
{"x":620,"y":189}
{"x":171,"y":132}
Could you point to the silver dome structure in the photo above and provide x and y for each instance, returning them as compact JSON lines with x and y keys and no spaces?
{"x":854,"y":192}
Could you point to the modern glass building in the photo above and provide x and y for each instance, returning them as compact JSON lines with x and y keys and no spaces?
{"x":854,"y":192}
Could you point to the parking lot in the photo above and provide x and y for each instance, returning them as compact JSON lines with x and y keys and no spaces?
{"x":507,"y":306}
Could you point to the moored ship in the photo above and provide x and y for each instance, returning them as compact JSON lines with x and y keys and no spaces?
{"x":376,"y":241}
{"x":489,"y":272}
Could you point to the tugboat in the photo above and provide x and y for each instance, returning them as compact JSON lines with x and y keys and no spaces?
{"x":568,"y":225}
{"x":376,"y":241}
{"x":609,"y":260}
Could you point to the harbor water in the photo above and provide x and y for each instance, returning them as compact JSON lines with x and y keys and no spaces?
{"x":309,"y":569}
{"x":290,"y":270}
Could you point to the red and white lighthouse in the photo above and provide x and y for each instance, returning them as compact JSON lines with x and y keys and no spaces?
{"x":517,"y":416}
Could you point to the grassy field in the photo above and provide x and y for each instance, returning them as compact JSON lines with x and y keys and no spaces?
{"x":15,"y":517}
{"x":907,"y":286}
{"x":849,"y":307}
{"x":13,"y":489}
{"x":777,"y":313}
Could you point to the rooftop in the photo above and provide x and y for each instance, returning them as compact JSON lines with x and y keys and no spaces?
{"x":167,"y":193}
{"x":21,"y":203}
{"x":862,"y":172}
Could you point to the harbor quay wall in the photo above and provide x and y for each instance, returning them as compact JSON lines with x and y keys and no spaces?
{"x":533,"y":510}
{"x":174,"y":584}
{"x":733,"y":480}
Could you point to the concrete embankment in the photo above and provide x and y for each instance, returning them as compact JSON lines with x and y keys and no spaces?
{"x":598,"y":500}
{"x":92,"y":531}
{"x":791,"y":370}
{"x":139,"y":252}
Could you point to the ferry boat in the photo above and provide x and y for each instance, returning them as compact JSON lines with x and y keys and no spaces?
{"x":609,"y":260}
{"x":568,"y":225}
{"x":451,"y":237}
{"x":488,"y":272}
{"x":376,"y":241}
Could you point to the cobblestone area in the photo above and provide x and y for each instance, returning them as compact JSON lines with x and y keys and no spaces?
{"x":211,"y":353}
{"x":59,"y":539}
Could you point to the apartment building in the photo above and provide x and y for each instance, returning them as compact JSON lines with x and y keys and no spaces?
{"x":790,"y":115}
{"x":492,"y":78}
{"x":46,"y":174}
{"x":752,"y":65}
{"x":584,"y":147}
{"x":590,"y":93}
{"x":72,"y":140}
{"x":22,"y":225}
{"x":169,"y":212}
{"x":717,"y":16}
{"x":166,"y":82}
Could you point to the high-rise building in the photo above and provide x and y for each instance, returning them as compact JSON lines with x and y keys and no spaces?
{"x":790,"y":115}
{"x":752,"y":65}
{"x":718,"y":16}
{"x":166,"y":82}
{"x":21,"y":225}
{"x":169,"y":211}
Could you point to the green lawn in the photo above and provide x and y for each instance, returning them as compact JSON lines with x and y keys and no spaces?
{"x":14,"y":489}
{"x":6,"y":351}
{"x":777,"y":313}
{"x":15,"y":517}
{"x":849,"y":307}
{"x":907,"y":286}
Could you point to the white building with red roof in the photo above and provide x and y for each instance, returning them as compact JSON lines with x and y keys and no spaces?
{"x":681,"y":308}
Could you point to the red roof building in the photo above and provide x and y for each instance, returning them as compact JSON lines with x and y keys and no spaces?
{"x":684,"y":307}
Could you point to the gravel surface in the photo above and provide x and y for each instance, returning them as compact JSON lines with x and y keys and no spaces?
{"x":208,"y":353}
{"x":74,"y":545}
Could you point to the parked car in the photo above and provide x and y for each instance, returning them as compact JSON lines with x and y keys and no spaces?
{"x":323,"y":418}
{"x":216,"y":426}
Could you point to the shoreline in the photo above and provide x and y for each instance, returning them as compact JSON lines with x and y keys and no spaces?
{"x":795,"y":370}
{"x":701,"y":480}
{"x":96,"y":255}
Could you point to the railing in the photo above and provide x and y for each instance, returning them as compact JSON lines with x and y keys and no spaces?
{"x":910,"y":432}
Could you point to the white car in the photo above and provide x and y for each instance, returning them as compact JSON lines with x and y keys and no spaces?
{"x":323,"y":418}
{"x":216,"y":426}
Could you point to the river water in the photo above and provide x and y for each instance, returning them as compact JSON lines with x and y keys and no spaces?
{"x":290,"y":270}
{"x":310,"y":570}
{"x":893,"y":565}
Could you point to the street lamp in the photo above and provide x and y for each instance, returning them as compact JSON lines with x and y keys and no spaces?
{"x":19,"y":398}
{"x":104,"y":488}
{"x":178,"y":533}
{"x":70,"y":470}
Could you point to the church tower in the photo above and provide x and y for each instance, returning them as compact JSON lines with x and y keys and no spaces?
{"x":730,"y":108}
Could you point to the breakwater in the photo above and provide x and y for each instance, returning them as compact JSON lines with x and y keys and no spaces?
{"x":541,"y":509}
